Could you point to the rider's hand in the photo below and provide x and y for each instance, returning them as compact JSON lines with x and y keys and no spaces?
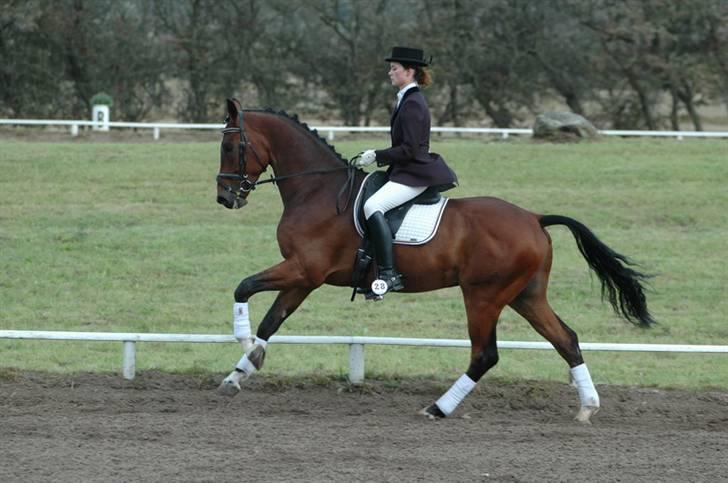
{"x":366,"y":158}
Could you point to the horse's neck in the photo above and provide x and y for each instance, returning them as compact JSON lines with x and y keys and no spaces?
{"x":296,"y":152}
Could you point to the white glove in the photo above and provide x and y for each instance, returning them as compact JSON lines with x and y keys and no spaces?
{"x":366,"y":158}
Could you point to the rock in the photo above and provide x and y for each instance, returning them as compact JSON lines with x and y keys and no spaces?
{"x":563,"y":126}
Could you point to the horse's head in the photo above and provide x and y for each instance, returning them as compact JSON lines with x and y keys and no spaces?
{"x":254,"y":140}
{"x":240,"y":163}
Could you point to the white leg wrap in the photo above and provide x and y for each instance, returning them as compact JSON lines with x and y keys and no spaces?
{"x":245,"y":365}
{"x":583,"y":382}
{"x":236,"y":377}
{"x":455,"y":395}
{"x":241,"y":321}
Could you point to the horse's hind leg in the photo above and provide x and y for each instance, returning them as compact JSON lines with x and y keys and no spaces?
{"x":482,"y":318}
{"x":534,"y":307}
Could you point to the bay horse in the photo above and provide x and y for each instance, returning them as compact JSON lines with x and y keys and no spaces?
{"x":499,"y":254}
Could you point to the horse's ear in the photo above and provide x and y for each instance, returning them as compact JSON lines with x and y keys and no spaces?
{"x":232,"y":107}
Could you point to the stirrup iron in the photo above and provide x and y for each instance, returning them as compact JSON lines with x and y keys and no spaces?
{"x":389,"y":280}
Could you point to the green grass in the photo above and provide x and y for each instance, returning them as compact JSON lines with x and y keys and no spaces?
{"x":128,"y":238}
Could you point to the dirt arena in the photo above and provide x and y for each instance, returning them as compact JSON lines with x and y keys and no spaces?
{"x":163,"y":427}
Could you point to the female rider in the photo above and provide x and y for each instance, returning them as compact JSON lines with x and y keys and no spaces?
{"x":412,"y":167}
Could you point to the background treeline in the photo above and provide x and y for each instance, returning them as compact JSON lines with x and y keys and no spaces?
{"x":639,"y":64}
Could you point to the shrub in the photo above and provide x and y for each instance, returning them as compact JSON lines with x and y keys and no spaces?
{"x":103,"y":99}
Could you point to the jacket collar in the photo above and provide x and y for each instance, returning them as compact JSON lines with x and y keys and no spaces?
{"x":407,"y":93}
{"x":403,"y":91}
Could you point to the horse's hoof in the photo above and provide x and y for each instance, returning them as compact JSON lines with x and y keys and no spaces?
{"x":431,"y":412}
{"x":585,"y":413}
{"x":228,"y":387}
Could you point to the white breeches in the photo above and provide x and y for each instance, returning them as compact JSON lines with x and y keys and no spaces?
{"x":389,"y":196}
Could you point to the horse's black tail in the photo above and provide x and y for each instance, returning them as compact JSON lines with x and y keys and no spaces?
{"x":621,"y":284}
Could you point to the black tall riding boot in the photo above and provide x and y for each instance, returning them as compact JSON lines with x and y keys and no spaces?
{"x":381,"y":236}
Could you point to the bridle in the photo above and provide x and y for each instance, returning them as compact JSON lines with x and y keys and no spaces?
{"x":247,"y":185}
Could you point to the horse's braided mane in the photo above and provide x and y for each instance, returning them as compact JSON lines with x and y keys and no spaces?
{"x":313,"y":132}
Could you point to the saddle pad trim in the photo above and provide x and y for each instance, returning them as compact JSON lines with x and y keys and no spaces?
{"x":443,"y":202}
{"x":357,"y":201}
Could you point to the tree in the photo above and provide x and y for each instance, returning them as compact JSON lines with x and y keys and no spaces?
{"x":714,"y":22}
{"x":72,"y":38}
{"x":633,"y":64}
{"x":498,"y":66}
{"x":196,"y":39}
{"x":134,"y":63}
{"x":448,"y":31}
{"x":93,"y":47}
{"x":29,"y":73}
{"x":346,"y":41}
{"x":630,"y":44}
{"x":563,"y":52}
{"x":263,"y":46}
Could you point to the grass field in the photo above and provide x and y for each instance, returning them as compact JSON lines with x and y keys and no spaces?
{"x":128,"y":237}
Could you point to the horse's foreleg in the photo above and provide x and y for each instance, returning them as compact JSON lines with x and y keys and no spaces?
{"x":282,"y":276}
{"x":285,"y":276}
{"x":482,"y":319}
{"x":286,"y":303}
{"x":253,"y":358}
{"x":279,"y":277}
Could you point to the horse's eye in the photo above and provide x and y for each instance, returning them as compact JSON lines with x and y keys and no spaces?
{"x":227,"y":147}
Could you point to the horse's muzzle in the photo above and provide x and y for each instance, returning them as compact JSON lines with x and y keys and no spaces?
{"x":230,"y":201}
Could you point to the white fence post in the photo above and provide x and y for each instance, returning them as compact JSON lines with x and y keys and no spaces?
{"x":100,"y":116}
{"x":156,"y":133}
{"x":129,"y":367}
{"x":356,"y":363}
{"x":74,"y":130}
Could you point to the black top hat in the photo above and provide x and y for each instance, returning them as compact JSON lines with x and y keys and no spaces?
{"x":407,"y":56}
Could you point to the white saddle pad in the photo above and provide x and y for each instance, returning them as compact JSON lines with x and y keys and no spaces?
{"x":419,"y":226}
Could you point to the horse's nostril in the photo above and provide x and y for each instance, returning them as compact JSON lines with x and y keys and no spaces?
{"x":223,"y":201}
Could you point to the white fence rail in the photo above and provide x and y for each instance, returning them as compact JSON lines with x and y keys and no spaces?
{"x":356,"y":344}
{"x":331,"y":131}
